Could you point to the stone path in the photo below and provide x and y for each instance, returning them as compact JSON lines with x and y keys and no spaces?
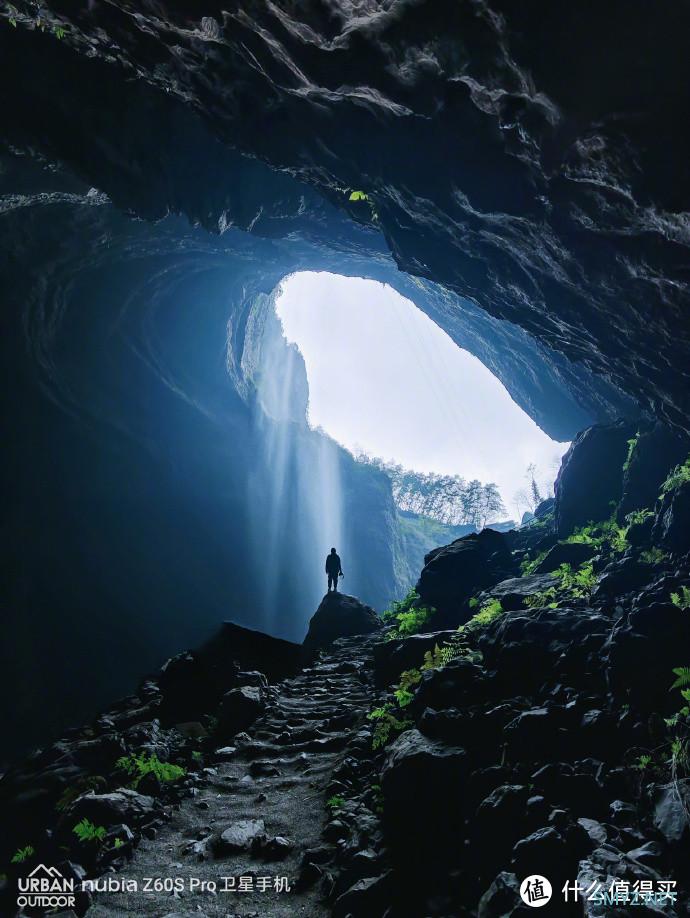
{"x":279,"y":775}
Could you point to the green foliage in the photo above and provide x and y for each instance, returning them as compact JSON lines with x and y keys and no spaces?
{"x":599,"y":534}
{"x":82,"y":786}
{"x":22,"y":854}
{"x":118,"y":843}
{"x":652,"y":556}
{"x":409,"y":619}
{"x":579,"y":583}
{"x":546,"y":599}
{"x":643,"y":761}
{"x":682,"y":674}
{"x":680,"y":759}
{"x":86,"y":831}
{"x":632,"y":445}
{"x":682,"y":599}
{"x":335,"y":803}
{"x":473,"y":603}
{"x":488,"y":612}
{"x":386,"y":725}
{"x":197,"y":756}
{"x":137,"y":766}
{"x":678,"y":476}
{"x":59,"y":32}
{"x":638,"y":516}
{"x":527,"y":566}
{"x":358,"y":196}
{"x":408,"y":680}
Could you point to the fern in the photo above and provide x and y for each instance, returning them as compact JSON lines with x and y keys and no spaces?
{"x":408,"y":680}
{"x":23,"y":854}
{"x":682,"y":674}
{"x":86,"y":831}
{"x":632,"y":445}
{"x":678,"y":476}
{"x":137,"y":766}
{"x":386,"y":724}
{"x":682,"y":599}
{"x":335,"y":803}
{"x":652,"y":556}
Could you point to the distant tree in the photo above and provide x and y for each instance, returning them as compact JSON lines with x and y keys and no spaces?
{"x":529,"y":497}
{"x":446,"y":498}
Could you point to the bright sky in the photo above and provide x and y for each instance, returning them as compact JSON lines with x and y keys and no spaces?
{"x":384,"y":378}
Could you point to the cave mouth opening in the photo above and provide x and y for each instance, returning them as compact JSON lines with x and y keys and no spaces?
{"x":386,"y":382}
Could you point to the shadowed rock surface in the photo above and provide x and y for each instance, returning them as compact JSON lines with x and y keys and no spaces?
{"x":339,"y":615}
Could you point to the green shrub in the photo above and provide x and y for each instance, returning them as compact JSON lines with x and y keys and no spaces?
{"x":638,"y":516}
{"x":678,"y":476}
{"x":409,"y":618}
{"x":527,"y":566}
{"x":579,"y":583}
{"x":408,"y":680}
{"x":335,"y":803}
{"x":137,"y":766}
{"x":652,"y":556}
{"x":682,"y":599}
{"x":86,"y":831}
{"x":643,"y":761}
{"x":386,"y":725}
{"x":632,"y":446}
{"x":488,"y":612}
{"x":546,"y":599}
{"x":22,"y":854}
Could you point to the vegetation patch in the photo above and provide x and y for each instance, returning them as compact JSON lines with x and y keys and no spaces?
{"x":86,"y":831}
{"x":23,"y":854}
{"x":138,"y":766}
{"x":678,"y":476}
{"x":386,"y":725}
{"x":410,"y":619}
{"x":682,"y":598}
{"x":632,"y":446}
{"x":653,"y":556}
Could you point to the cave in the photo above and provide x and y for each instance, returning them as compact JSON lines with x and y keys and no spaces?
{"x":492,"y":701}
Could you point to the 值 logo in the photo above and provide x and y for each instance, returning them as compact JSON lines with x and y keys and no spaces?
{"x":535,"y":891}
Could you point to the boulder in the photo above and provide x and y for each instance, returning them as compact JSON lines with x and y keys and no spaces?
{"x":423,"y":783}
{"x":671,"y":806}
{"x":241,"y":836}
{"x":454,"y":573}
{"x":339,"y":615}
{"x":239,"y":709}
{"x":656,"y":452}
{"x":512,"y":593}
{"x":121,"y":806}
{"x":591,"y":475}
{"x":501,"y":898}
{"x":572,"y":553}
{"x":391,"y":658}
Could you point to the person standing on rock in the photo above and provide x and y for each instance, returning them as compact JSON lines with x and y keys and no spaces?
{"x":333,"y":569}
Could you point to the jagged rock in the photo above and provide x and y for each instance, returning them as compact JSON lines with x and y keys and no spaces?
{"x":545,"y":508}
{"x":239,"y":709}
{"x":242,"y":835}
{"x":391,"y":658}
{"x":655,"y":453}
{"x":573,"y":553}
{"x":502,"y":898}
{"x":672,"y":524}
{"x":591,"y":476}
{"x":512,"y":593}
{"x":455,"y":573}
{"x":671,"y":806}
{"x":423,"y":790}
{"x":369,"y":896}
{"x":339,"y":615}
{"x":121,"y":806}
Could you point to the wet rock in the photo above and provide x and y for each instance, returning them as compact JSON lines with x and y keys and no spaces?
{"x":591,"y":475}
{"x":277,"y":848}
{"x":423,"y":789}
{"x":501,"y":898}
{"x":672,"y":525}
{"x":369,"y":896}
{"x":242,"y":835}
{"x":339,"y":615}
{"x":121,"y":806}
{"x":454,"y":573}
{"x":513,"y":592}
{"x":239,"y":709}
{"x":656,"y":452}
{"x":391,"y":658}
{"x":671,"y":804}
{"x":573,"y":553}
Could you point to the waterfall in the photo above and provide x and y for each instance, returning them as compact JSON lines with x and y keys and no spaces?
{"x":296,"y":488}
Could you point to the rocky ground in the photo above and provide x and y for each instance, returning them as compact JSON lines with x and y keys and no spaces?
{"x":534,"y":721}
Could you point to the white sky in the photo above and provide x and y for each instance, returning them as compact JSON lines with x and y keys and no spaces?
{"x":384,"y":378}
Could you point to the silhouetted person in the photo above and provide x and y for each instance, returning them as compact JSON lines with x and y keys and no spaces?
{"x":333,"y":569}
